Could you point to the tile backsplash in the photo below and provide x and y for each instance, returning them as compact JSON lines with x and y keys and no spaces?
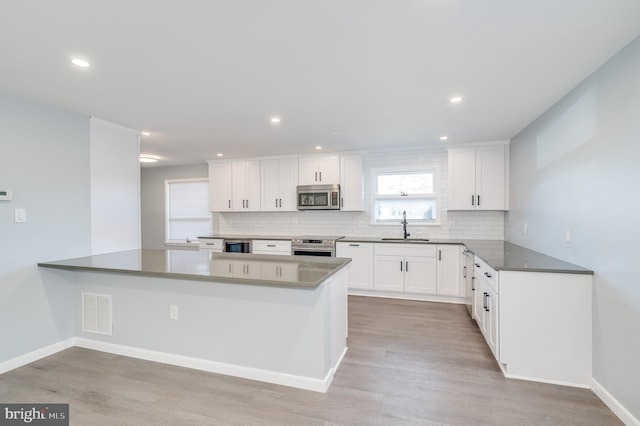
{"x":453,"y":224}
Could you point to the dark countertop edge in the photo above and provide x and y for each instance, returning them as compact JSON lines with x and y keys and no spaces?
{"x":575,"y":269}
{"x":195,"y":277}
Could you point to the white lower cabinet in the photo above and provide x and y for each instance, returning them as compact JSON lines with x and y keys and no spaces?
{"x":360,"y":274}
{"x":487,"y":304}
{"x":405,"y":268}
{"x":449,"y":269}
{"x":274,"y":247}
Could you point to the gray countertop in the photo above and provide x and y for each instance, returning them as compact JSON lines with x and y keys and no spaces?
{"x":301,"y":271}
{"x":499,"y":254}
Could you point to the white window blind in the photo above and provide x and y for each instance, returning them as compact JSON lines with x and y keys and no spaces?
{"x":187,"y":209}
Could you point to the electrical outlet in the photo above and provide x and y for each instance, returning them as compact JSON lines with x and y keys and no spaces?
{"x":20,"y":215}
{"x":526,"y":228}
{"x":173,"y":312}
{"x":567,"y":235}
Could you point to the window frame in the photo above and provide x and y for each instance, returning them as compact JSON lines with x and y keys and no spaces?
{"x":167,"y":219}
{"x":435,"y":196}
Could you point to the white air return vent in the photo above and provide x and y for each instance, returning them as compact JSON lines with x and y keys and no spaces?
{"x":96,"y":313}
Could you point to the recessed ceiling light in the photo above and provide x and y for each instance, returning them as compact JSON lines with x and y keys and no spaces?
{"x":275,"y":120}
{"x":318,"y":147}
{"x":455,"y":99}
{"x":80,"y":63}
{"x":148,"y":159}
{"x":444,"y":138}
{"x":145,"y":133}
{"x":219,"y":154}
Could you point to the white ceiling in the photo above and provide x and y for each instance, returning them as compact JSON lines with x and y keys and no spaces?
{"x":205,"y":76}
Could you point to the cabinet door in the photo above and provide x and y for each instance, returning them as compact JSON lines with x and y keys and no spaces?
{"x":420,"y":274}
{"x":478,"y":301}
{"x":449,"y":270}
{"x":360,"y":273}
{"x":288,"y":181}
{"x":491,"y":317}
{"x":462,"y":179}
{"x":238,"y":178}
{"x":351,"y":183}
{"x":270,"y":182}
{"x":491,"y":180}
{"x":252,"y":185}
{"x":220,"y":194}
{"x":388,"y":273}
{"x":329,"y":169}
{"x":308,"y":171}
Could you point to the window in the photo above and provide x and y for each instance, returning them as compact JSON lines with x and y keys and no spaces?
{"x":395,"y":192}
{"x":187,"y":209}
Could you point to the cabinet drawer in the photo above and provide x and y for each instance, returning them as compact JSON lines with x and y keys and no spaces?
{"x":214,"y":244}
{"x":487,"y":273}
{"x":402,"y":249}
{"x":271,"y":246}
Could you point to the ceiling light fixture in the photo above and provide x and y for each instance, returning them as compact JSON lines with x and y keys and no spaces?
{"x":219,"y":154}
{"x":148,"y":159}
{"x":455,"y":99}
{"x":275,"y":120}
{"x":145,"y":133}
{"x":444,"y":138}
{"x":318,"y":147}
{"x":80,"y":63}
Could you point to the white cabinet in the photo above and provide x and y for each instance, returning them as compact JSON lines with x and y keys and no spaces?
{"x":279,"y":178}
{"x":275,"y":247}
{"x":351,"y":183}
{"x":211,"y":244}
{"x":478,"y":178}
{"x":405,"y":267}
{"x":319,"y":170}
{"x":487,"y":304}
{"x":220,"y":193}
{"x":245,"y":184}
{"x":234,"y":186}
{"x":360,"y":273}
{"x":449,"y":268}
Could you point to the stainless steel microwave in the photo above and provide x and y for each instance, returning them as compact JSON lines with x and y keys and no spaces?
{"x":319,"y":197}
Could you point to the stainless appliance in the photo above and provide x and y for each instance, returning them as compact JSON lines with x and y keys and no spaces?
{"x":469,"y":281}
{"x":237,"y":246}
{"x":314,"y":246}
{"x":318,"y":197}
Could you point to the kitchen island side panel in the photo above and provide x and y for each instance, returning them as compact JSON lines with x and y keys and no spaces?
{"x":282,"y":330}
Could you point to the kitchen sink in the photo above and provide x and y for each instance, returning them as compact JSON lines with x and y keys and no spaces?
{"x":405,"y":239}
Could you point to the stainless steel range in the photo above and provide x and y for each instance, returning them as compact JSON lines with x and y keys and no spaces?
{"x":314,"y":246}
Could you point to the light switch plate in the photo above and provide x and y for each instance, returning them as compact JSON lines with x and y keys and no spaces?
{"x":20,"y":215}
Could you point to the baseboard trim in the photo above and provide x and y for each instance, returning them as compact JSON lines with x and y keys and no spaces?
{"x":30,"y":357}
{"x":407,"y":296}
{"x":613,"y":404}
{"x":300,"y":382}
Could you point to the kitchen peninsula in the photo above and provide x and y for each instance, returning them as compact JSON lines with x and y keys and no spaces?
{"x":278,"y":319}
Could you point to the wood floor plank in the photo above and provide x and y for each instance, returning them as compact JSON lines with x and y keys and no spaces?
{"x":408,"y":363}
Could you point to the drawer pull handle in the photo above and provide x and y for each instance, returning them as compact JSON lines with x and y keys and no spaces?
{"x":354,"y":245}
{"x":488,"y":275}
{"x":271,"y":245}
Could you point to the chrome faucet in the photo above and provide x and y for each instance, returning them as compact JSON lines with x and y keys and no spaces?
{"x":404,"y":224}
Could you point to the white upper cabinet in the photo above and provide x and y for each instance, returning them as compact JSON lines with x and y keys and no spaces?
{"x":319,"y":170}
{"x":234,"y":186}
{"x":220,"y":193}
{"x":479,"y":178}
{"x":351,"y":183}
{"x":279,"y":181}
{"x":245,"y":184}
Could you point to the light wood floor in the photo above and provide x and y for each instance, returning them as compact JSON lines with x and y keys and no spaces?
{"x":408,"y":363}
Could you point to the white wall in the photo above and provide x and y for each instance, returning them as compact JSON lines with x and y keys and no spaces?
{"x":578,"y":166}
{"x":45,"y":161}
{"x":115,"y":188}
